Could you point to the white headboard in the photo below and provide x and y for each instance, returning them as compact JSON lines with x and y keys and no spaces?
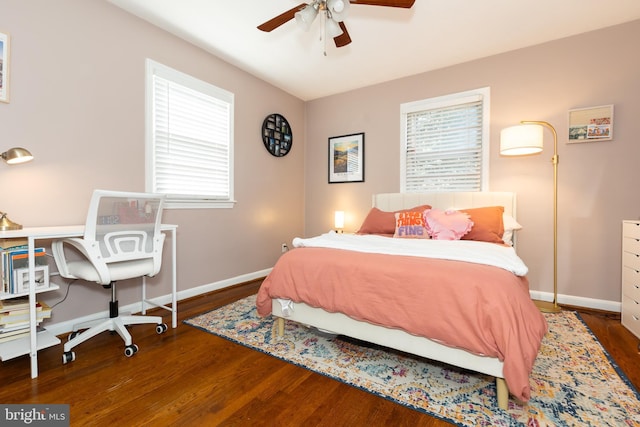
{"x":447,"y":200}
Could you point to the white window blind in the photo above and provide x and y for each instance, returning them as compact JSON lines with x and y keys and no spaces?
{"x":190,"y":145}
{"x":444,"y":143}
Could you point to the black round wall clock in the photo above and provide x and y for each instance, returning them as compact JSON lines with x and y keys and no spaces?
{"x":277,"y":135}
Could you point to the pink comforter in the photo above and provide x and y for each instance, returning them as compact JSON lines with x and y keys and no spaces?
{"x":479,"y":308}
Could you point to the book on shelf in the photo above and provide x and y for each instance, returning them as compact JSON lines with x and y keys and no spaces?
{"x":14,"y":335}
{"x":18,"y":260}
{"x":17,"y":334}
{"x":14,"y":326}
{"x":43,"y":311}
{"x":14,"y":243}
{"x":6,"y":311}
{"x":17,"y":303}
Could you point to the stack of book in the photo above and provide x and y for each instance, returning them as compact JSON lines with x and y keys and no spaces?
{"x":14,"y":267}
{"x":14,"y":317}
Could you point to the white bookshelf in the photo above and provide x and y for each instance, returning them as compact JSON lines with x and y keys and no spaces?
{"x":21,"y":346}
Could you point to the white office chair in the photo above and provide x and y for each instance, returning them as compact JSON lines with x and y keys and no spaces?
{"x":122,"y":240}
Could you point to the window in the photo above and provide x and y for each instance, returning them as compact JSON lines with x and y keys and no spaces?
{"x":445,"y":143}
{"x":189,"y":139}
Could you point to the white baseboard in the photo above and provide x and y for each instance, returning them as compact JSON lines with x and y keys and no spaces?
{"x":598,"y":304}
{"x":66,"y":326}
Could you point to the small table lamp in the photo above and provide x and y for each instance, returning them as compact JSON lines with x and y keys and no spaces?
{"x":338,"y":221}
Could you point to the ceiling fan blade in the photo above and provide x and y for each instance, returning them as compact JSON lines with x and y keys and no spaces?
{"x":287,"y":16}
{"x":390,"y":3}
{"x":344,"y":38}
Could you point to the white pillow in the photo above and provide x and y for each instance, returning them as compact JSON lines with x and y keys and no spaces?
{"x":510,"y":224}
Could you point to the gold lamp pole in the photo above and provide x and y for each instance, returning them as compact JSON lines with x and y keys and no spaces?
{"x":527,"y":138}
{"x":13,"y":156}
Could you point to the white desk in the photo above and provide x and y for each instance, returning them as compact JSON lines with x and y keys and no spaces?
{"x":42,"y":340}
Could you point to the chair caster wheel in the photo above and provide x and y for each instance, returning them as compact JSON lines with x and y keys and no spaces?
{"x":161,"y":328}
{"x":130,"y":350}
{"x":68,"y":356}
{"x":72,"y":335}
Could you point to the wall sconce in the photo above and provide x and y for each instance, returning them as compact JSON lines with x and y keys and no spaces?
{"x":524,"y":139}
{"x":13,"y":156}
{"x":338,"y":221}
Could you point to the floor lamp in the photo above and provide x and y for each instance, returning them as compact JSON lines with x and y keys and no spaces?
{"x":527,"y":138}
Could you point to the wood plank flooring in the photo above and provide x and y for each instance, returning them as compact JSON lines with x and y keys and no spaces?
{"x":189,"y":378}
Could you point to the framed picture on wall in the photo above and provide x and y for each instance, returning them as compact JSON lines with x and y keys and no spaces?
{"x":591,"y":124}
{"x":346,"y":158}
{"x":4,"y":67}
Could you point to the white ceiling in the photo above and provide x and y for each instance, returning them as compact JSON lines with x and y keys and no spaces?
{"x":388,"y":43}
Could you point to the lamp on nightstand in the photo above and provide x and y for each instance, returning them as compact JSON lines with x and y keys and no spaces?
{"x":13,"y":156}
{"x":338,"y":221}
{"x":527,"y":138}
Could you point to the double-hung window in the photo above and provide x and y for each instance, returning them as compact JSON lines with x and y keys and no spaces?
{"x":189,"y":139}
{"x":445,"y":143}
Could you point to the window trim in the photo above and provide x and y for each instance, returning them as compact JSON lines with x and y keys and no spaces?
{"x":483,"y":93}
{"x":174,"y":201}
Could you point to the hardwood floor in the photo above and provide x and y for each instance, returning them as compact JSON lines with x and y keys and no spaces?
{"x":189,"y":378}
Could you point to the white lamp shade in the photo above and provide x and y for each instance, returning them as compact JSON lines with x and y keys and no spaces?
{"x":339,"y":220}
{"x":339,"y":9}
{"x":305,"y":17}
{"x":521,"y":140}
{"x":332,"y":28}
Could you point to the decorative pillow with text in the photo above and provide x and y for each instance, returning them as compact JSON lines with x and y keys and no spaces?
{"x":383,"y":222}
{"x":410,"y":225}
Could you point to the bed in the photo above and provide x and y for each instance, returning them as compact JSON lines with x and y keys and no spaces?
{"x":472,"y":313}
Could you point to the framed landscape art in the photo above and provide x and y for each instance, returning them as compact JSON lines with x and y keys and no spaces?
{"x":346,"y":158}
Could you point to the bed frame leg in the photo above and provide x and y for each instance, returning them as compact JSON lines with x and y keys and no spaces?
{"x":502,"y":393}
{"x":280,"y":326}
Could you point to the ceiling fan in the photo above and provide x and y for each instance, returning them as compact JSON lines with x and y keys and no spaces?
{"x":332,"y":12}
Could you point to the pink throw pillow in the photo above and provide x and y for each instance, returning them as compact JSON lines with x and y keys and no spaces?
{"x":447,"y":225}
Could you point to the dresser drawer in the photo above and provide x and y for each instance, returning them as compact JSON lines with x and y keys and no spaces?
{"x":631,"y":260}
{"x":630,"y":275}
{"x":631,"y":315}
{"x":631,"y":288}
{"x":630,"y":244}
{"x":631,"y":229}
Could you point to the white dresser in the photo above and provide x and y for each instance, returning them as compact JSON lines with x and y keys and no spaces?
{"x":631,"y":276}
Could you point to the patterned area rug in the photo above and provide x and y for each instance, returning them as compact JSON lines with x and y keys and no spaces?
{"x":574,"y":382}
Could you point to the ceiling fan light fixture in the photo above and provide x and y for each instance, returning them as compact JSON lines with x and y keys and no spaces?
{"x":338,"y":9}
{"x":332,"y":28}
{"x":305,"y":17}
{"x":334,"y":12}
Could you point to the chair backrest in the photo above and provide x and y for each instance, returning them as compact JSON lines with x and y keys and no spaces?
{"x":125,"y":226}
